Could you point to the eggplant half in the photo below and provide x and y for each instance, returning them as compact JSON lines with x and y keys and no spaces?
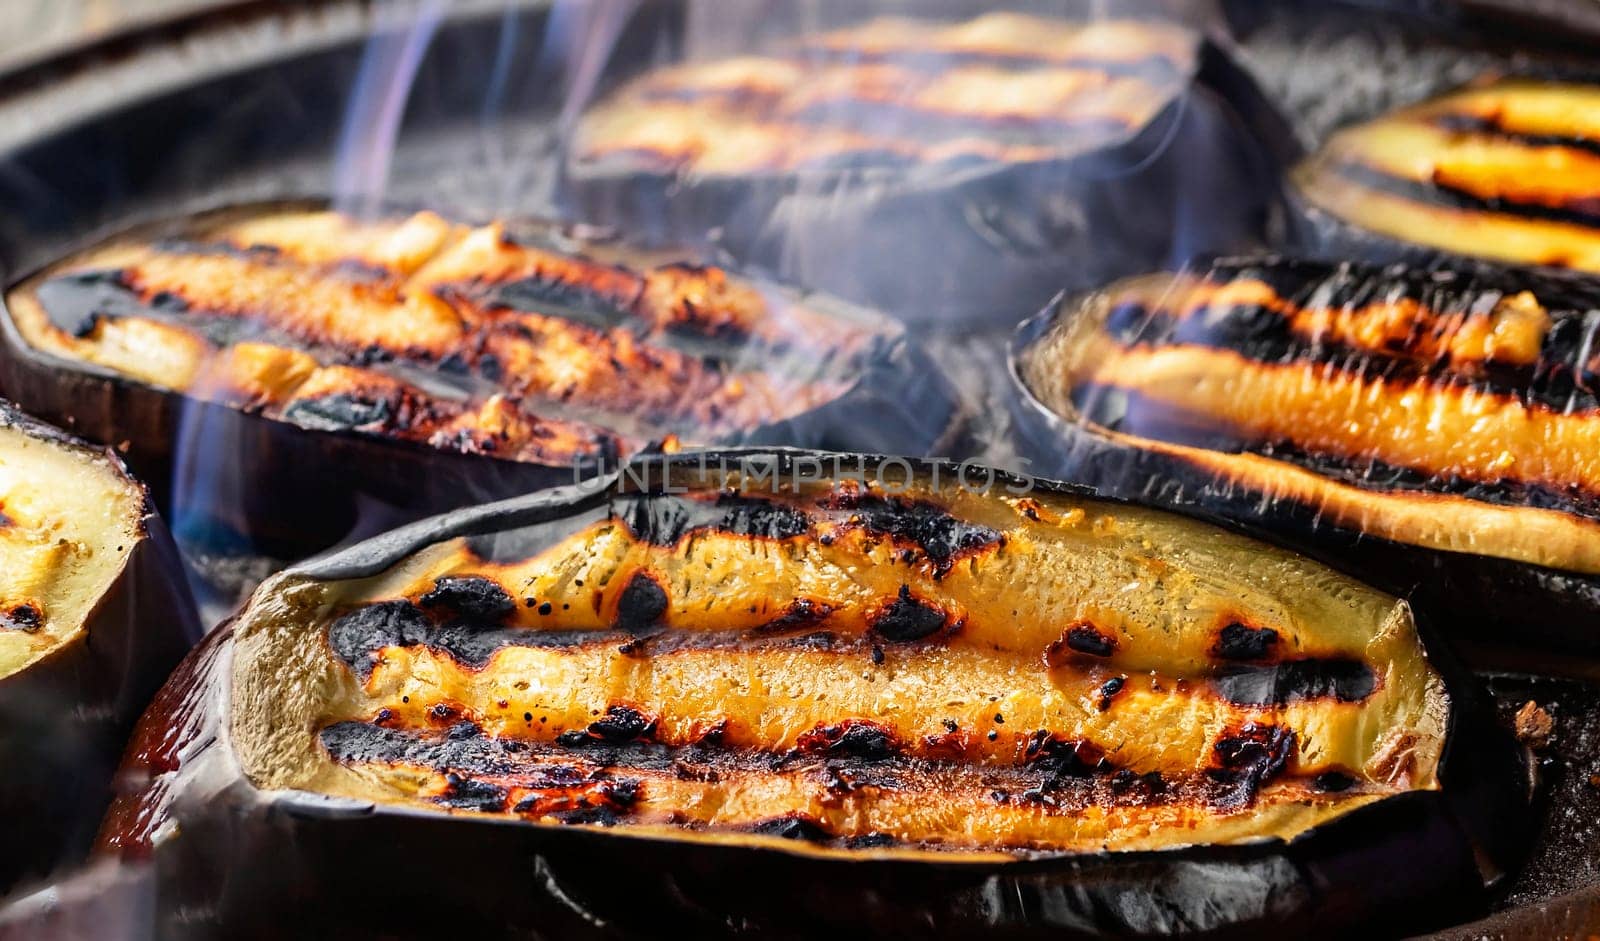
{"x":1436,"y":431}
{"x":946,"y":172}
{"x":788,"y":692}
{"x":94,"y":613}
{"x":1504,"y":170}
{"x":287,"y":363}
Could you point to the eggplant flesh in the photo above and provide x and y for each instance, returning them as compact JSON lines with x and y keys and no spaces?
{"x":93,"y":614}
{"x":1435,"y":429}
{"x":821,"y":677}
{"x":1501,"y":170}
{"x":979,"y":154}
{"x":444,"y":363}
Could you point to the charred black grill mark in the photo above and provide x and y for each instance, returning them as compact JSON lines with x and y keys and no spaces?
{"x":907,"y":619}
{"x":642,"y":604}
{"x":1243,"y":642}
{"x":565,"y":778}
{"x":853,"y":738}
{"x":1159,"y":421}
{"x":802,"y":614}
{"x":665,"y":520}
{"x":1494,"y":126}
{"x":357,"y":637}
{"x":1247,"y":759}
{"x":622,"y":724}
{"x":1581,"y":212}
{"x":558,"y":297}
{"x":1291,"y":681}
{"x":469,"y":596}
{"x":925,"y":526}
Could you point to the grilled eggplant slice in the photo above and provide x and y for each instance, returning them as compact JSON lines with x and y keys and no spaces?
{"x":430,"y":364}
{"x":946,"y":172}
{"x":1436,"y":430}
{"x":781,"y":692}
{"x":1503,"y":170}
{"x":93,"y":614}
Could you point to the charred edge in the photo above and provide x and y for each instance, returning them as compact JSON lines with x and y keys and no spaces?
{"x":1062,"y":761}
{"x":852,"y":738}
{"x":1238,"y":641}
{"x":1082,"y":639}
{"x":941,"y":537}
{"x":795,"y":826}
{"x":1247,"y":759}
{"x":469,"y":596}
{"x":358,"y":638}
{"x":907,"y":619}
{"x":665,"y":520}
{"x":1292,"y":681}
{"x":1159,"y":421}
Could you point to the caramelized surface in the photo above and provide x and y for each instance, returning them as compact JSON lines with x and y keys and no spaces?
{"x":1508,"y":170}
{"x":923,"y":670}
{"x":522,"y":345}
{"x":1440,"y":412}
{"x":68,"y":520}
{"x":1000,"y":88}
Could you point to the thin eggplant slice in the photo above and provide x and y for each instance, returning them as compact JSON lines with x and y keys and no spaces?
{"x":433,"y":363}
{"x":783,"y":691}
{"x":93,"y":615}
{"x":944,"y":171}
{"x":1436,"y":430}
{"x":1504,"y":170}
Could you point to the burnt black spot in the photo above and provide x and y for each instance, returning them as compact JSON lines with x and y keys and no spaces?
{"x":76,"y":302}
{"x":1333,"y":782}
{"x":622,"y":724}
{"x":1109,"y":690}
{"x":1249,"y":758}
{"x":463,"y":793}
{"x":573,"y":738}
{"x":470,"y":596}
{"x":1296,"y":680}
{"x":357,"y":637}
{"x":24,"y":617}
{"x":926,"y":526}
{"x":1242,"y":642}
{"x":664,"y":520}
{"x":801,"y":614}
{"x":490,"y":368}
{"x":546,"y":608}
{"x":340,"y":411}
{"x":877,"y":655}
{"x":793,"y":827}
{"x":907,"y":619}
{"x":1080,"y":638}
{"x":852,"y":738}
{"x":560,"y":298}
{"x":641,"y":604}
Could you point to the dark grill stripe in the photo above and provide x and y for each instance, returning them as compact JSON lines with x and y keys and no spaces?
{"x":1433,"y":193}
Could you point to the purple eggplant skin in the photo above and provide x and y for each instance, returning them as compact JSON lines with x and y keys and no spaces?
{"x":64,"y":719}
{"x":242,"y":863}
{"x":280,"y":490}
{"x":1502,"y":605}
{"x":967,"y":248}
